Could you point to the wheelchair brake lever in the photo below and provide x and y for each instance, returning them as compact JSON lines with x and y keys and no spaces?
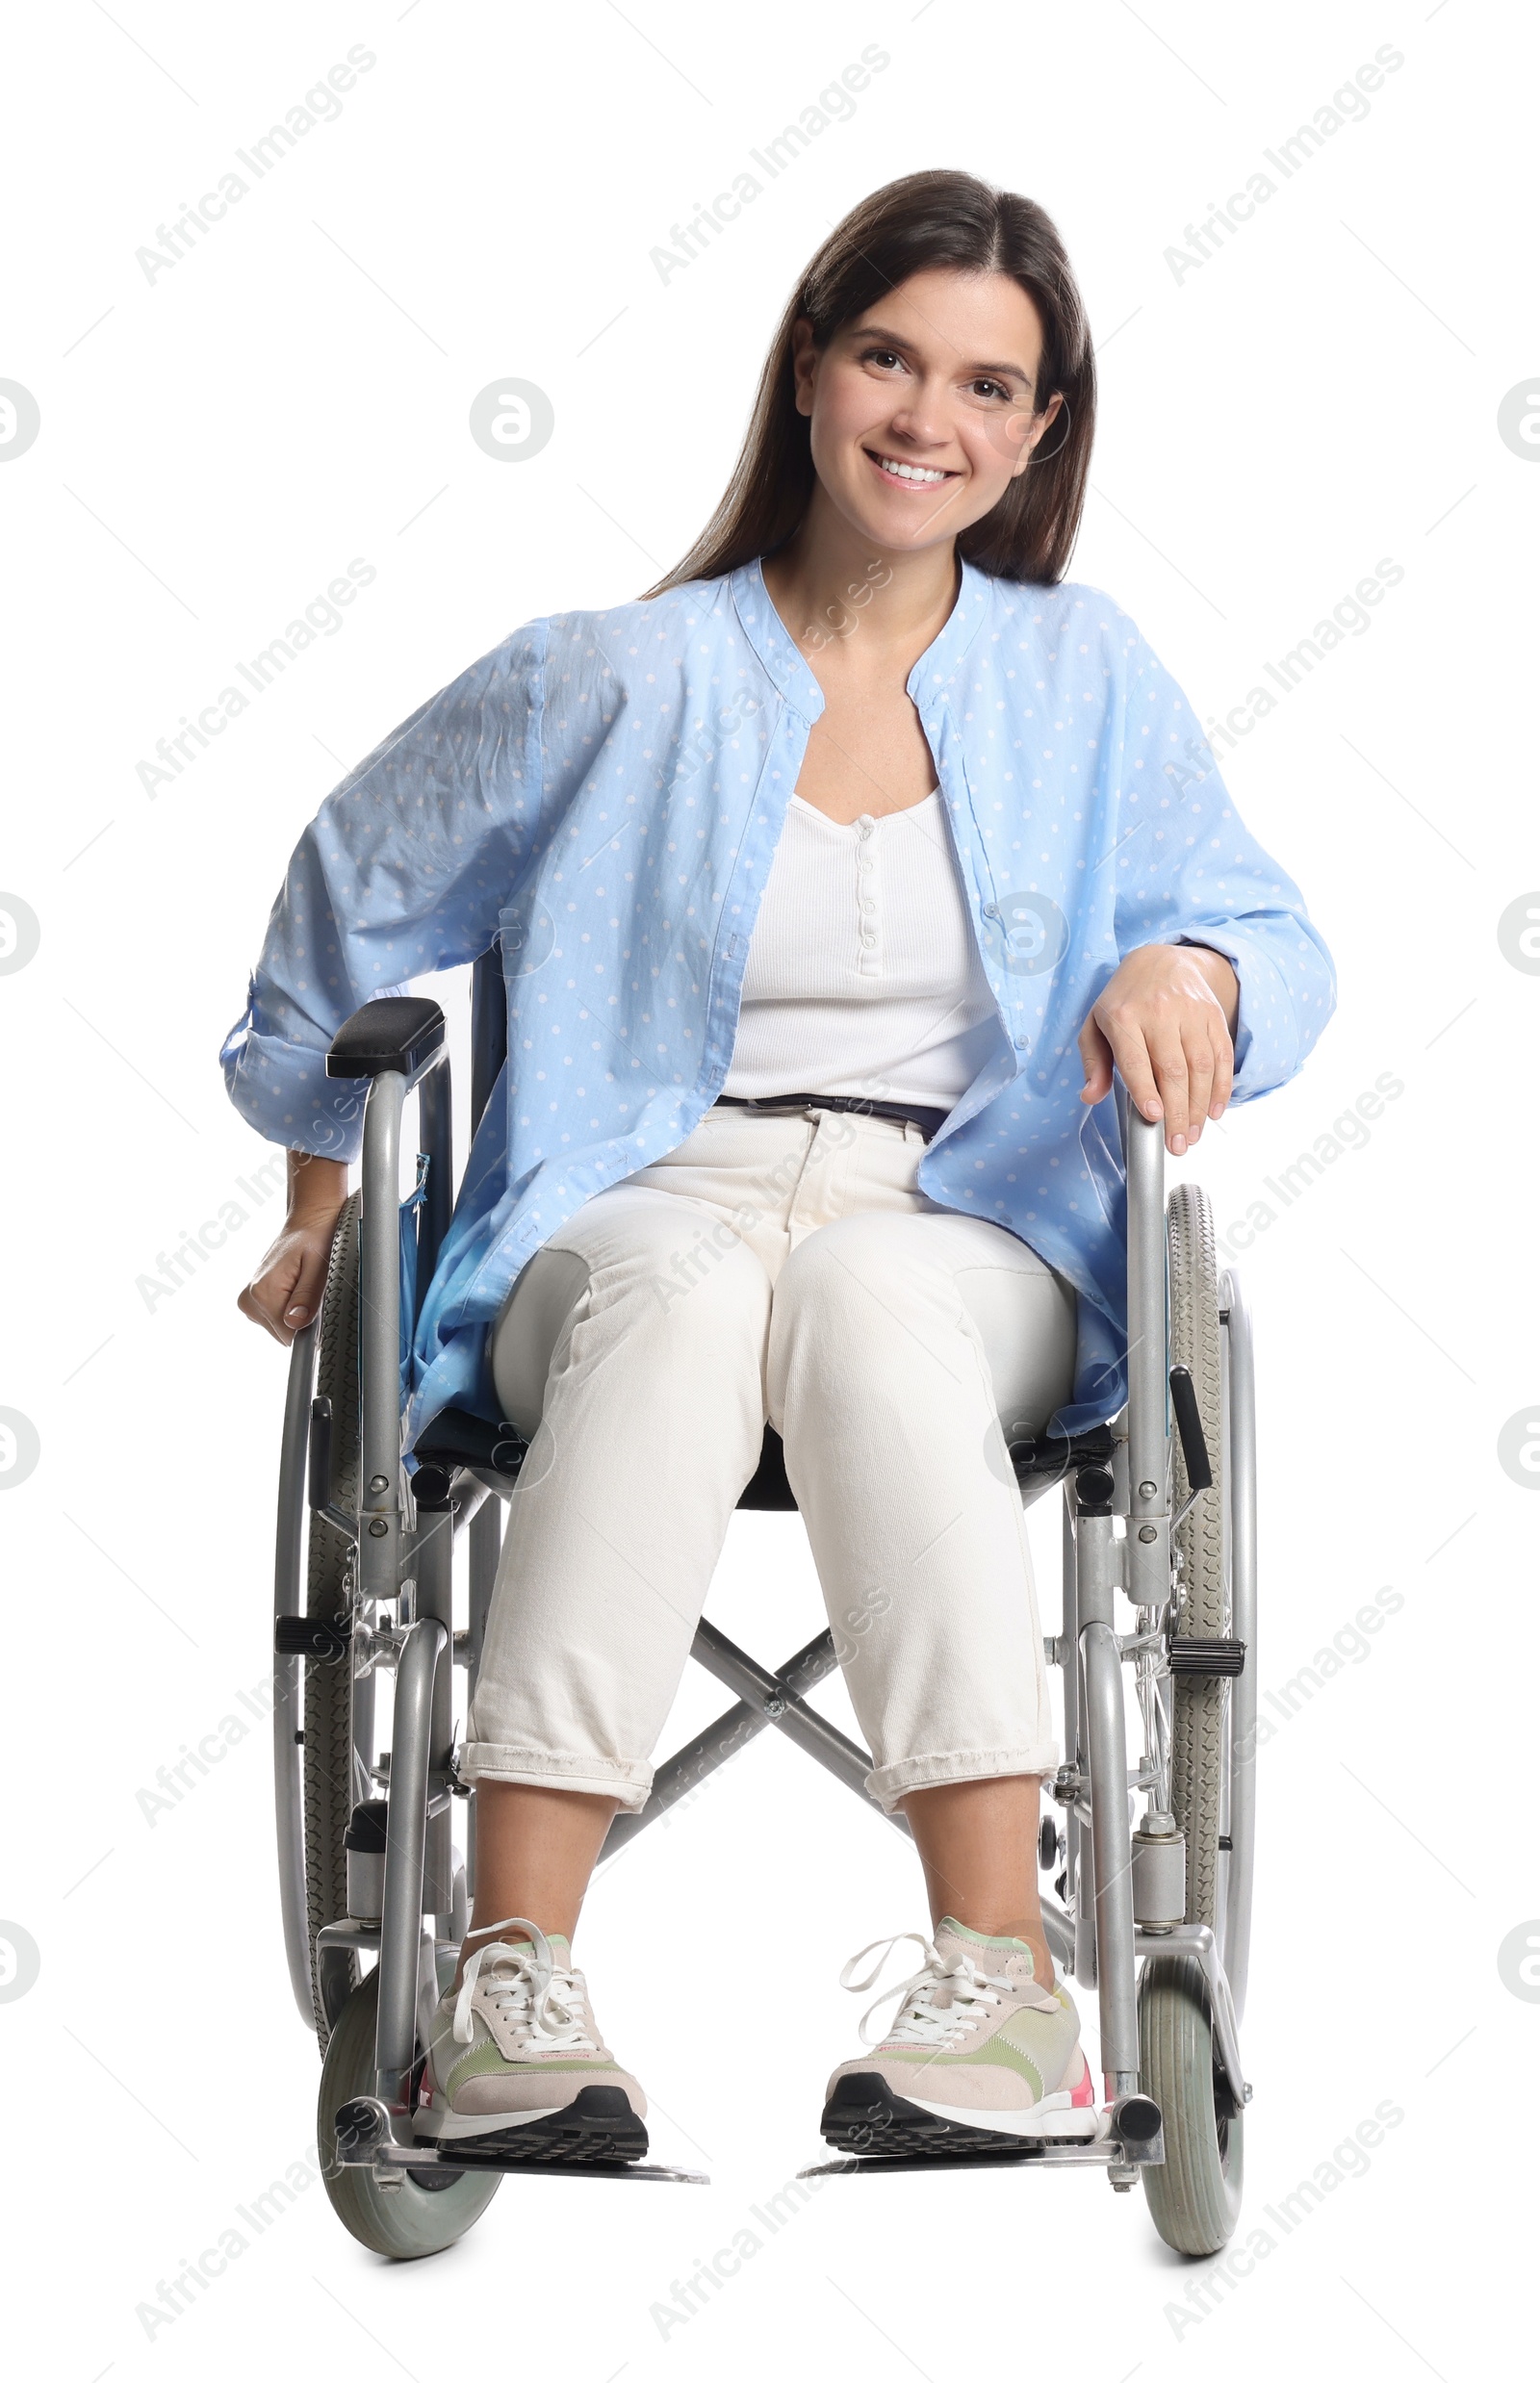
{"x":1189,"y":1428}
{"x":1195,"y":1448}
{"x":318,"y":1483}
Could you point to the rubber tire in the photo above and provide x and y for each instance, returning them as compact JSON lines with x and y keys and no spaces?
{"x":1194,"y":2199}
{"x":406,"y":2224}
{"x":1199,"y":1704}
{"x":328,"y":1769}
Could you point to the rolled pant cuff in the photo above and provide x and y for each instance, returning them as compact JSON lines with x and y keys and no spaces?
{"x":588,"y":1774}
{"x":896,"y":1778}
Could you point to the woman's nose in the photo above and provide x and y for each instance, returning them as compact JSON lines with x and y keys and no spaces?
{"x":924,"y":419}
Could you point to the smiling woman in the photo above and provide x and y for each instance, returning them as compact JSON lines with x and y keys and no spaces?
{"x":873,"y":277}
{"x":831,"y":879}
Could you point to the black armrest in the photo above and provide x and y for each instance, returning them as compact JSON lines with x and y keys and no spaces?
{"x":1051,"y":1457}
{"x":455,"y":1437}
{"x":390,"y":1037}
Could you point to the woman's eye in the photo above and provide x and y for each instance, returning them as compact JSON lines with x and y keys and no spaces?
{"x":880,"y":355}
{"x":994,"y":388}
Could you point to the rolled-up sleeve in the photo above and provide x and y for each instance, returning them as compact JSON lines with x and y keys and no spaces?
{"x":1190,"y":871}
{"x":401,"y":872}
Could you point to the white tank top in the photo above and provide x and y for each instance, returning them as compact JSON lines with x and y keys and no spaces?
{"x":863,"y":975}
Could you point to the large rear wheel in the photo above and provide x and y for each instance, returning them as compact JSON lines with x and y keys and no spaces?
{"x":1198,"y":1701}
{"x":328,"y":1769}
{"x":1195,"y":2197}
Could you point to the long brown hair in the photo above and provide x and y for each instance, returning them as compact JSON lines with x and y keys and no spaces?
{"x":911,"y":227}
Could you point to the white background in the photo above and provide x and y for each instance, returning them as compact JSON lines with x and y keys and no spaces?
{"x":217,"y":444}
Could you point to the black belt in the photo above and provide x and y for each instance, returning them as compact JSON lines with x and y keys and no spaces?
{"x":929,"y":1120}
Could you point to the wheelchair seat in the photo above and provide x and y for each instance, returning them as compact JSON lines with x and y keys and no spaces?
{"x":456,"y":1441}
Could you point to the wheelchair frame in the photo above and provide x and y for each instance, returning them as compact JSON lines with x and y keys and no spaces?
{"x":1117,"y":1537}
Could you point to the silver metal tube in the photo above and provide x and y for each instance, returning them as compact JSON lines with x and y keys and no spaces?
{"x":1060,"y":1937}
{"x":1060,"y":1931}
{"x":486,"y":1553}
{"x":1097,"y":1570}
{"x":470,"y":1496}
{"x":682,"y":1773}
{"x":380,"y":1341}
{"x":363,"y":1726}
{"x":1113,"y":1855}
{"x":1085,"y":1900}
{"x":1069,"y":1626}
{"x":405,"y":1845}
{"x":717,"y":1744}
{"x":1149,"y":1440}
{"x":785,"y":1709}
{"x":288,"y":1596}
{"x":1077,"y":1840}
{"x":434,"y":1112}
{"x":432,"y":1562}
{"x":1243,"y":1497}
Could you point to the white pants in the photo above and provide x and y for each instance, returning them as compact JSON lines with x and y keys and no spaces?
{"x":782,"y":1267}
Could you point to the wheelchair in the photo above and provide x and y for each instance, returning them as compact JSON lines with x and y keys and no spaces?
{"x":1159,"y":1506}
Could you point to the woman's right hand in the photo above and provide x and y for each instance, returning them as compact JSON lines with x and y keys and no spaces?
{"x":284,"y":1295}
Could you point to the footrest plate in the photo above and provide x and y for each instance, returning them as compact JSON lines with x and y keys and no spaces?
{"x":508,"y":2164}
{"x":364,"y":2137}
{"x":1109,"y":2153}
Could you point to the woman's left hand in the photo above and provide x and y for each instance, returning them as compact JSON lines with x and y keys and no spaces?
{"x":1164,"y":1020}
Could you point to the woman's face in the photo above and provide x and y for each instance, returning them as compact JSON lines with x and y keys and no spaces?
{"x":921,"y":411}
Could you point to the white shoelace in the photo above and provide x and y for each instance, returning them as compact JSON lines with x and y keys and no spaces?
{"x":917,"y":2021}
{"x":526,"y":1988}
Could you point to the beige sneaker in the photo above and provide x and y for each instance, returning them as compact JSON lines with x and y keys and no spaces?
{"x":979,"y":2056}
{"x":516,"y":2064}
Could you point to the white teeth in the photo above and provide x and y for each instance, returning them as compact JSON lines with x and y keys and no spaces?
{"x":910,"y":471}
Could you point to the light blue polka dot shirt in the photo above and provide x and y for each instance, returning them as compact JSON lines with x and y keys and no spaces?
{"x":603,"y":794}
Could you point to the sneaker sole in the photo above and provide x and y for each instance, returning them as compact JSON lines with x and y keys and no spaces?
{"x":866,"y":2115}
{"x":599,"y":2124}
